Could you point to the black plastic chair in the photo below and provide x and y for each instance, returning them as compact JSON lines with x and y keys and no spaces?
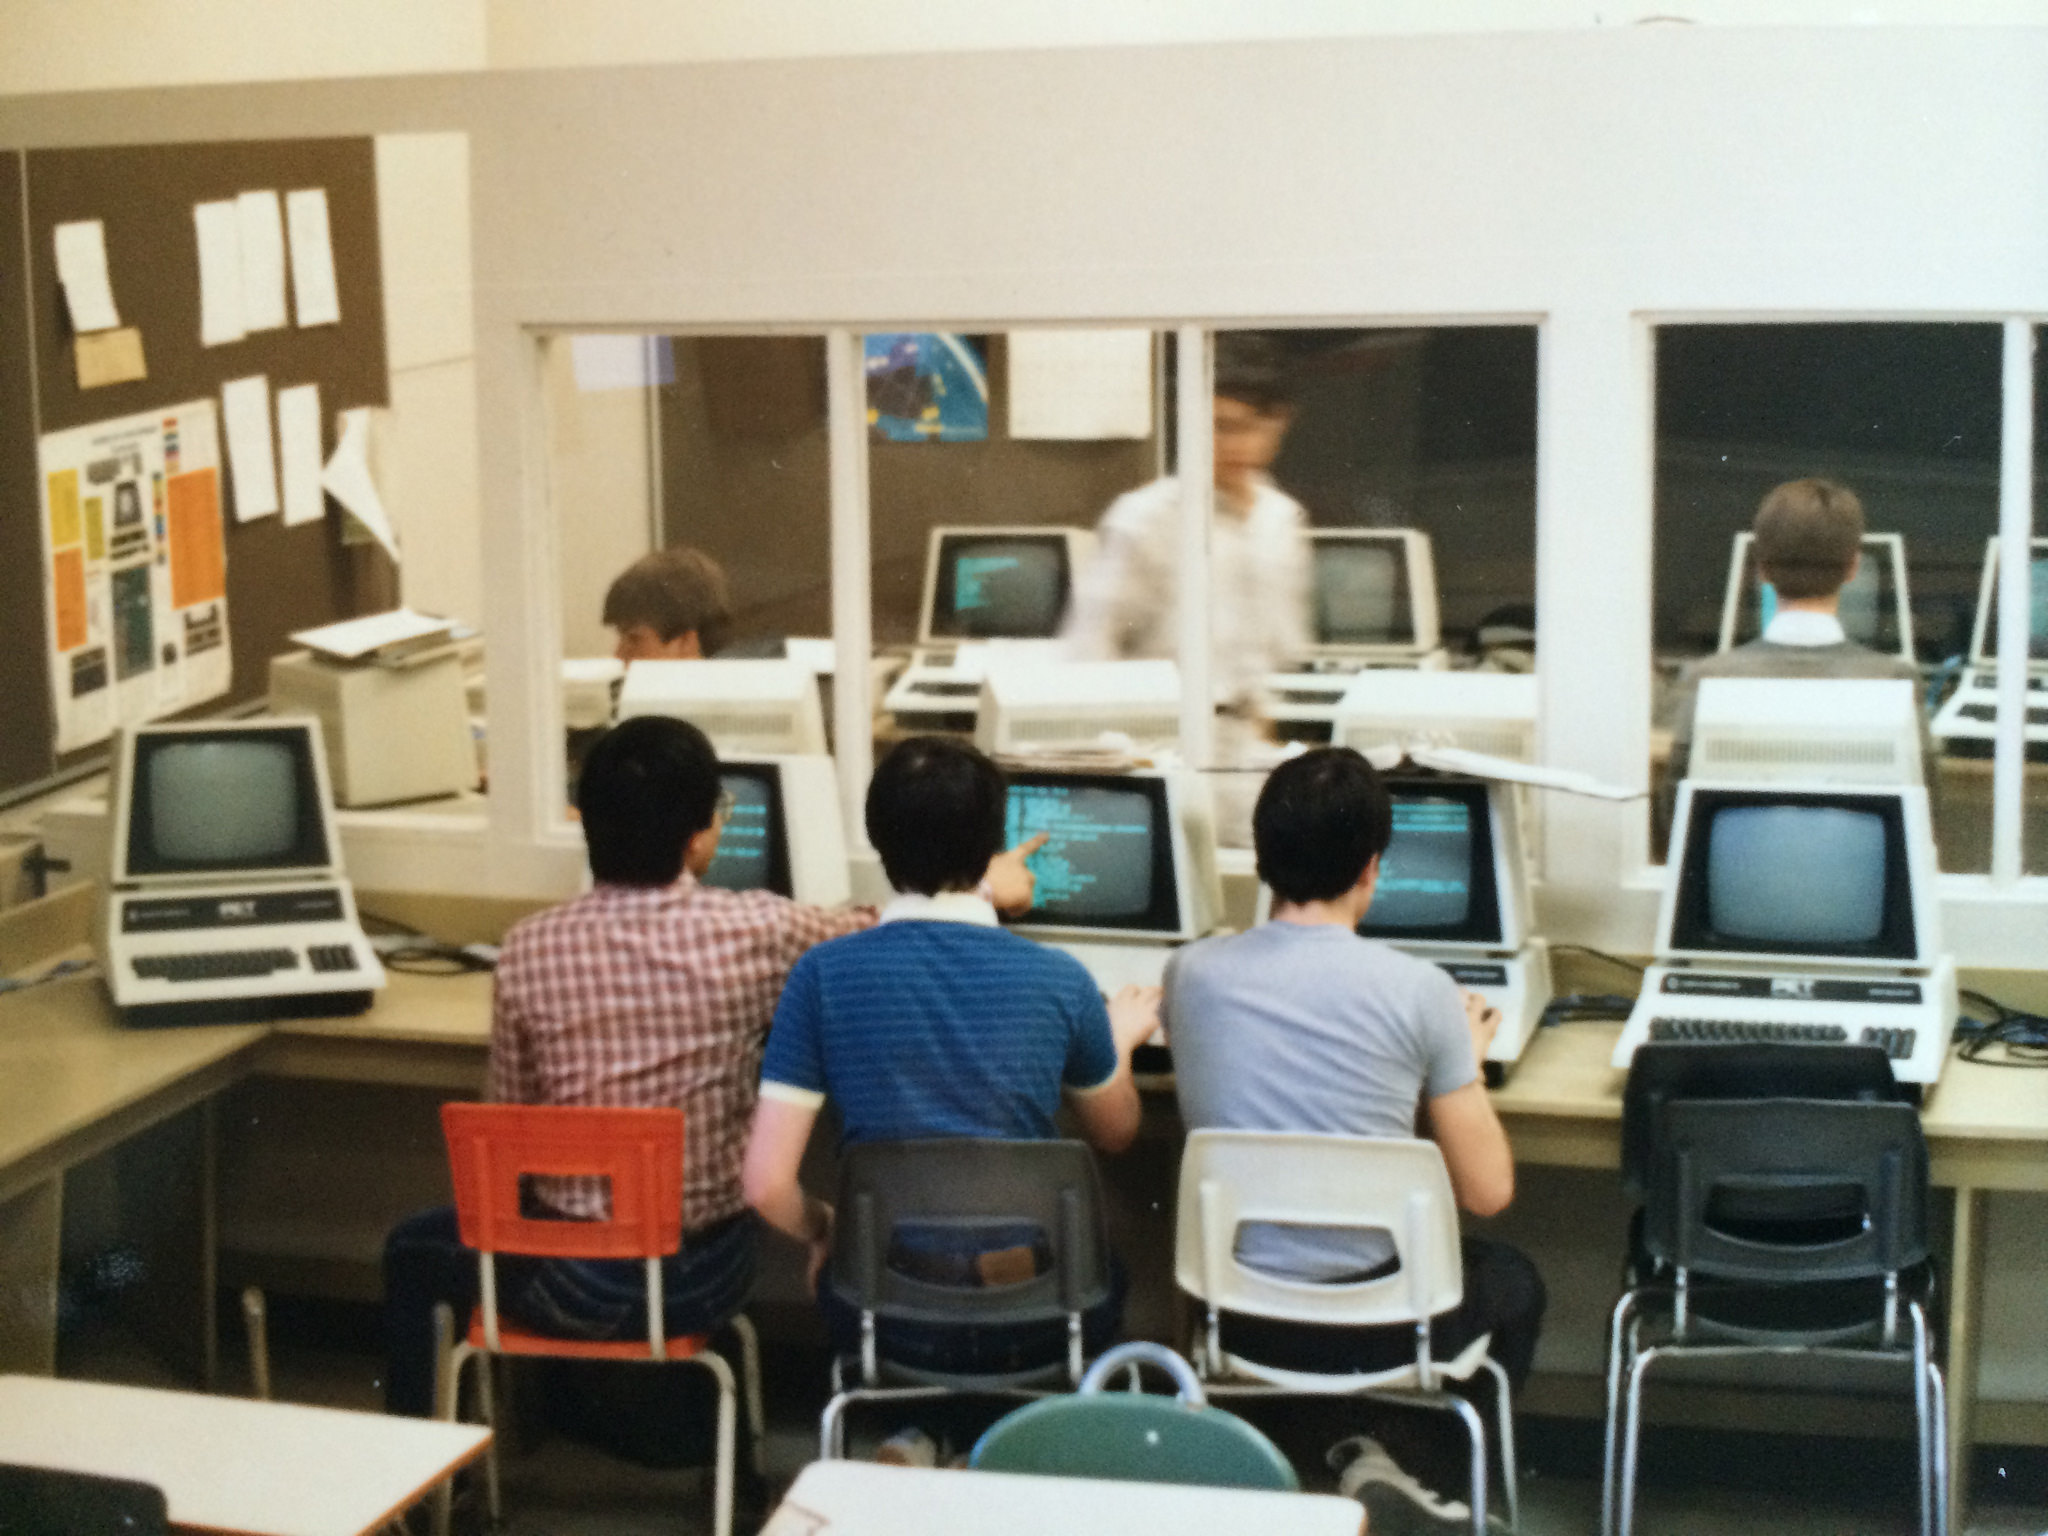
{"x":41,"y":1501}
{"x":1754,"y":1207}
{"x":894,"y":1194}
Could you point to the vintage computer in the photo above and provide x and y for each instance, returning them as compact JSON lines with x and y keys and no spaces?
{"x":227,"y":898}
{"x":590,"y":691}
{"x":1454,"y":890}
{"x":1129,"y":870}
{"x":1832,"y":730}
{"x":1967,"y":722}
{"x":986,"y":590}
{"x":784,"y":832}
{"x":1801,"y":913}
{"x":1037,"y":705}
{"x":743,"y":706}
{"x":393,"y":732}
{"x":1373,"y":603}
{"x":1490,"y":712}
{"x":1876,"y":607}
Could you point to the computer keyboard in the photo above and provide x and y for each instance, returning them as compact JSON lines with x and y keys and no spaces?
{"x":331,"y":957}
{"x":1897,"y":1043}
{"x":2036,"y":714}
{"x":947,"y":690}
{"x":215,"y":965}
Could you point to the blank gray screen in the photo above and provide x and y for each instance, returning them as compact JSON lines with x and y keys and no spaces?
{"x":1796,"y":874}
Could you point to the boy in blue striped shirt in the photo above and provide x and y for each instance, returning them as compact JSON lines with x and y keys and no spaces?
{"x":937,"y":1022}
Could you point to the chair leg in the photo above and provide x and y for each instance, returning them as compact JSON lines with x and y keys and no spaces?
{"x":722,"y":1469}
{"x":832,"y":1427}
{"x":256,"y":1326}
{"x":449,"y":1360}
{"x":1475,"y":1432}
{"x":485,"y":1364}
{"x":750,"y":1385}
{"x":1505,"y":1431}
{"x":1631,"y":1444}
{"x":1940,"y":1458}
{"x":1617,"y":1342}
{"x":1923,"y":1419}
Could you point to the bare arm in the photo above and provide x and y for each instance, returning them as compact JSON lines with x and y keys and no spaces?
{"x":1475,"y":1147}
{"x":1110,"y":1112}
{"x":775,"y":1151}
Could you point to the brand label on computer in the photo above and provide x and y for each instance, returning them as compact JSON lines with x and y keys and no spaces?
{"x":1819,"y":989}
{"x":176,"y":914}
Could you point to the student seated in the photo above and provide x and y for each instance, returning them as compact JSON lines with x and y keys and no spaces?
{"x":1301,"y":1025}
{"x":649,"y":990}
{"x":672,"y":605}
{"x":937,"y":1022}
{"x":1809,"y":538}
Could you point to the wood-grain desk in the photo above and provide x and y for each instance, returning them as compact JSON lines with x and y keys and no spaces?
{"x":233,"y":1464}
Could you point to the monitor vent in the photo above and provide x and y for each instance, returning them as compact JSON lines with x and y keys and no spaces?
{"x":1068,"y":731}
{"x":1797,"y":751}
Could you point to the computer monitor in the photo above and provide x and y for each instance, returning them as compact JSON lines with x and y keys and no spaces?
{"x":784,"y":833}
{"x":590,"y":688}
{"x":1984,"y":632}
{"x":1126,"y":857}
{"x":743,"y":706}
{"x":1876,"y":606}
{"x":212,"y":800}
{"x":1454,"y":876}
{"x":1490,"y":712}
{"x":1801,"y":875}
{"x":999,"y":583}
{"x":1763,"y":730}
{"x":1374,"y":593}
{"x":1036,"y":703}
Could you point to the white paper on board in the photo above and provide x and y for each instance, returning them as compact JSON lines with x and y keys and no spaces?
{"x":347,"y":480}
{"x":298,"y":446}
{"x":82,"y":269}
{"x":315,"y":298}
{"x":1081,"y":384}
{"x":219,"y":226}
{"x":262,"y":226}
{"x":252,"y":465}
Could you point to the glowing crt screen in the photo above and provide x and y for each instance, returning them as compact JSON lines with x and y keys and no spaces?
{"x":2037,"y":617}
{"x":998,"y":588}
{"x":222,"y":803}
{"x":1098,"y":865}
{"x":1796,"y":874}
{"x":1359,"y":593}
{"x":1426,"y":872}
{"x":748,"y":844}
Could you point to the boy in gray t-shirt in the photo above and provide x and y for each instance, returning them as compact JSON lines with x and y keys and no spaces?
{"x":1301,"y":1025}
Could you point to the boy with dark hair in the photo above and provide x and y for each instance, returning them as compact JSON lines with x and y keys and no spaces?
{"x":936,"y":1022}
{"x":1302,"y":1025}
{"x":650,"y":989}
{"x":1809,"y":539}
{"x":671,"y":605}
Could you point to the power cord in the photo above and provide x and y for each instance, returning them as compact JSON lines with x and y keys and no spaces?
{"x":2023,"y":1036}
{"x":416,"y":954}
{"x":61,"y":969}
{"x":1598,"y":954}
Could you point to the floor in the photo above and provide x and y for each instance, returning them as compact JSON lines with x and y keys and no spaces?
{"x":1697,"y":1483}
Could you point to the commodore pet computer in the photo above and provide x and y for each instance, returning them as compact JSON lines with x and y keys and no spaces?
{"x":227,"y":896}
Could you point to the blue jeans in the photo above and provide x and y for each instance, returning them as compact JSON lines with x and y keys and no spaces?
{"x":426,"y":1264}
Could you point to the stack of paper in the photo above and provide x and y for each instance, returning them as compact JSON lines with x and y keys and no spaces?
{"x":385,"y":638}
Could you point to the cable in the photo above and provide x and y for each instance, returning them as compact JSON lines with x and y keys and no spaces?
{"x":1587,"y":1007}
{"x":60,"y":969}
{"x":2023,"y":1036}
{"x":426,"y":957}
{"x":1598,"y":954}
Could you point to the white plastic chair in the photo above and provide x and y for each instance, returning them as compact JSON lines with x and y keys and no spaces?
{"x":1398,"y":1186}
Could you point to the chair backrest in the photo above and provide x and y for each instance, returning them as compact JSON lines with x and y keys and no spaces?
{"x":1660,"y":1073}
{"x":1759,"y":1189}
{"x":1130,"y":1437}
{"x":1395,"y":1185}
{"x":491,"y":1147}
{"x":42,"y":1501}
{"x":957,"y":1188}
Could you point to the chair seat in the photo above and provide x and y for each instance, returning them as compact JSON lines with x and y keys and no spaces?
{"x":1236,"y":1371}
{"x":523,"y":1341}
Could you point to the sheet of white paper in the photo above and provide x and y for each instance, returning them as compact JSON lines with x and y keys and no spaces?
{"x":262,"y":261}
{"x":347,"y":480}
{"x":299,"y":455}
{"x":82,"y":269}
{"x":621,"y":362}
{"x":1081,"y":384}
{"x":220,"y":273}
{"x":353,"y":638}
{"x":315,"y":299}
{"x":252,"y":465}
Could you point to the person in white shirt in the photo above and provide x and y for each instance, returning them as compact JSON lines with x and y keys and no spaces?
{"x":1124,"y":603}
{"x":1809,"y":537}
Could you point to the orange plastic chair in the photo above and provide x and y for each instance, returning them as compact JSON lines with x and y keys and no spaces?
{"x":491,"y":1147}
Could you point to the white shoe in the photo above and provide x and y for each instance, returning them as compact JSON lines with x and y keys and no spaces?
{"x":1396,"y":1502}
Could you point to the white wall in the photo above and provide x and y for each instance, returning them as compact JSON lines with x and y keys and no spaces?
{"x":88,"y":45}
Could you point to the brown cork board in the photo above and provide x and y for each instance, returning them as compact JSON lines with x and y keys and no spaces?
{"x":279,"y":579}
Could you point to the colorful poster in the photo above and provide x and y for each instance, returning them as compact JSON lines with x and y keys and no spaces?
{"x":926,"y":387}
{"x":136,"y":559}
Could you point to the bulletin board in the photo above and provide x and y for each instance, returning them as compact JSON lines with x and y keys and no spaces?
{"x":279,"y":579}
